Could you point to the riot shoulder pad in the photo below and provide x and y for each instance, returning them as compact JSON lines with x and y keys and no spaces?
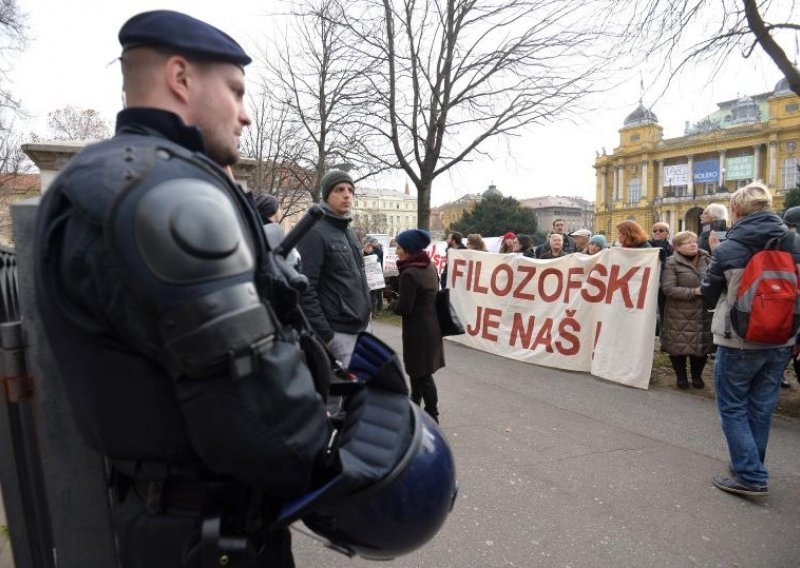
{"x":187,"y":231}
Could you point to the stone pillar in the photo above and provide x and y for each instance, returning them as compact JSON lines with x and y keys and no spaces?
{"x":757,"y":162}
{"x":689,"y":180}
{"x":660,"y":179}
{"x":644,"y":179}
{"x":603,"y":196}
{"x":721,"y":178}
{"x":772,"y":163}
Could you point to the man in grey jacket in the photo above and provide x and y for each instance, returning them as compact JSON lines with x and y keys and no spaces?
{"x":337,"y":302}
{"x":747,"y":375}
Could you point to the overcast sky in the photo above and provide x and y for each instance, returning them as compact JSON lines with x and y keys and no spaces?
{"x":70,"y":61}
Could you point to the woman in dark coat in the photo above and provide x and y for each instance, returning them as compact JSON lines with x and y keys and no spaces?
{"x":423,"y":351}
{"x":687,"y":326}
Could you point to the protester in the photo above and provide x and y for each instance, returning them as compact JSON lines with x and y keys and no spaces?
{"x":713,"y":218}
{"x":337,"y":302}
{"x":686,"y":330}
{"x":559,"y":226}
{"x":423,"y":350}
{"x":596,"y":244}
{"x":747,"y":375}
{"x":269,"y":210}
{"x":581,"y":237}
{"x":373,"y":246}
{"x":475,"y":242}
{"x":556,"y":247}
{"x":631,"y":235}
{"x":454,"y":241}
{"x":507,"y":246}
{"x":791,"y":217}
{"x":660,"y":240}
{"x":524,"y":246}
{"x":149,"y":280}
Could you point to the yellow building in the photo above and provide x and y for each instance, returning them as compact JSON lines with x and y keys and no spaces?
{"x":649,"y":178}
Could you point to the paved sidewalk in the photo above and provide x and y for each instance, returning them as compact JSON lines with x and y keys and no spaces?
{"x":559,"y":469}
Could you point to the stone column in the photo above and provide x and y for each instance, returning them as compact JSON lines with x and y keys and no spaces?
{"x":660,"y":179}
{"x":772,"y":163}
{"x":756,"y":161}
{"x":603,"y":197}
{"x":644,"y":179}
{"x":689,"y":180}
{"x":721,"y":176}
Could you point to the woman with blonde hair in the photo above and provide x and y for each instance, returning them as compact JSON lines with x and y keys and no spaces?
{"x":686,"y":330}
{"x":631,"y":235}
{"x":475,"y":242}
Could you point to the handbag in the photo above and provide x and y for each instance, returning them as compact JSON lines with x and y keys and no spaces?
{"x":449,"y":323}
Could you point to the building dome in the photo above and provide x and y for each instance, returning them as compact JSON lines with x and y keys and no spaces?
{"x":782,"y":88}
{"x":641,"y":115}
{"x":492,"y":192}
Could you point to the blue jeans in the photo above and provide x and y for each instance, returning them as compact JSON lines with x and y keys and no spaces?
{"x":748,"y":383}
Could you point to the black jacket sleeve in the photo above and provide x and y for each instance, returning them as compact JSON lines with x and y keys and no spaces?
{"x":312,"y":250}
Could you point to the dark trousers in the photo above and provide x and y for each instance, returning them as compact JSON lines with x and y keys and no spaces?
{"x":424,"y":389}
{"x":377,"y":300}
{"x":164,"y":540}
{"x":696,"y":364}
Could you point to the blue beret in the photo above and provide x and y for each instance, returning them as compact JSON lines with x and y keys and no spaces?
{"x":181,"y":34}
{"x":413,"y":240}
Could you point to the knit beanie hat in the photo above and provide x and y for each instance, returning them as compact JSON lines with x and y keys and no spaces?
{"x":414,"y":240}
{"x":330,"y":180}
{"x":599,"y":240}
{"x":509,"y":235}
{"x":267,"y":205}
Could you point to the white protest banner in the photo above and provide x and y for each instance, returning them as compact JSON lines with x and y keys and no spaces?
{"x":390,"y":262}
{"x":595,"y":314}
{"x":374,"y":272}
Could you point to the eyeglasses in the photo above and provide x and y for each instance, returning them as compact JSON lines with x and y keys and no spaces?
{"x":660,"y":231}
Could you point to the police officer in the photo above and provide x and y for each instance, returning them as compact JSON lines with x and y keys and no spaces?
{"x":154,"y":283}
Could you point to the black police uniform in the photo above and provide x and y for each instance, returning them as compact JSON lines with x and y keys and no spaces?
{"x":151,"y":275}
{"x":158,"y":297}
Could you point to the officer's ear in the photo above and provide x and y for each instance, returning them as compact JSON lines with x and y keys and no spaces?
{"x":178,"y":75}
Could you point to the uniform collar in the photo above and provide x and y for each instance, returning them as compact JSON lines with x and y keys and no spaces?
{"x":158,"y":122}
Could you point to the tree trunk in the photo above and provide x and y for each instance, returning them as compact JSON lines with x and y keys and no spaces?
{"x":424,"y":203}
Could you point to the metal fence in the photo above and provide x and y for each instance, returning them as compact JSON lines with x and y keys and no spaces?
{"x":9,"y":289}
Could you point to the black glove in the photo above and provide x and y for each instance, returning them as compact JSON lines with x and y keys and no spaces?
{"x":376,"y":364}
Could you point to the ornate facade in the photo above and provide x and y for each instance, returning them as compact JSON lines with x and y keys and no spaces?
{"x":649,"y":178}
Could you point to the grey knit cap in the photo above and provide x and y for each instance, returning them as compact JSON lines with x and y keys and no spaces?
{"x":330,"y":180}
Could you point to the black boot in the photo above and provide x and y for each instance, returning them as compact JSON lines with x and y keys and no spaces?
{"x":696,"y":365}
{"x":679,"y":365}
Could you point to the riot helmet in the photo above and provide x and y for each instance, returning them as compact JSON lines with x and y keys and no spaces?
{"x":396,"y":514}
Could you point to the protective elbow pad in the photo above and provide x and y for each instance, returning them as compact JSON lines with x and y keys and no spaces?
{"x":185,"y":255}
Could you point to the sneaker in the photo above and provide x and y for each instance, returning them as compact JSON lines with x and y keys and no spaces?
{"x":785,"y":384}
{"x":733,"y":485}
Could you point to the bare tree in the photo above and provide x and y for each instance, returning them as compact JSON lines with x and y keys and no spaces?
{"x":13,"y":39}
{"x":447,"y":75}
{"x":279,"y":149}
{"x":316,"y":75}
{"x":683,"y":32}
{"x":70,"y":123}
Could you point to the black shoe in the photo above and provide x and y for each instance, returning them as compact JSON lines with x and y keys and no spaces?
{"x":698,"y":383}
{"x":683,"y":383}
{"x":732,"y":485}
{"x":785,"y":384}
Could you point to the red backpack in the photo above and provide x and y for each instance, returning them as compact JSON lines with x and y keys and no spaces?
{"x":767,"y":306}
